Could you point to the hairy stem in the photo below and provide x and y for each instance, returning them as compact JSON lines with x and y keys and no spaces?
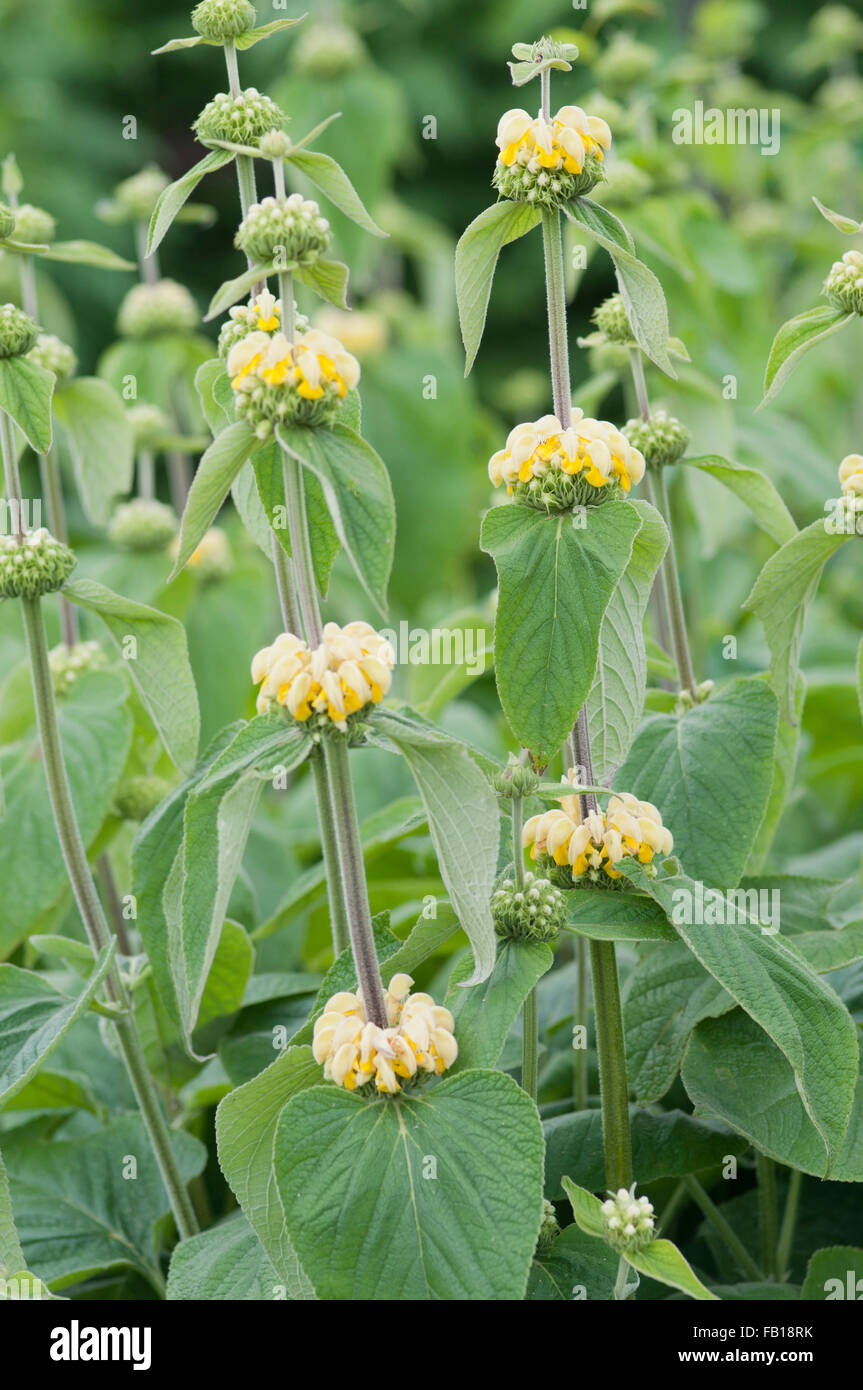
{"x":113,"y":904}
{"x":613,"y":1090}
{"x":530,"y":1045}
{"x":13,"y":478}
{"x":789,"y":1223}
{"x":768,"y":1216}
{"x":96,"y":926}
{"x":552,"y":244}
{"x":148,"y":262}
{"x":709,"y":1208}
{"x":581,"y":1020}
{"x":330,"y":847}
{"x":49,"y":469}
{"x":146,"y":474}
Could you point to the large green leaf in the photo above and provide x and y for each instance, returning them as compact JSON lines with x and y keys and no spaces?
{"x":615,"y":702}
{"x":95,"y":731}
{"x":87,"y":1205}
{"x":216,"y":471}
{"x":101,"y":442}
{"x":86,"y":253}
{"x":217,"y":820}
{"x":376,"y":1192}
{"x":642,"y":294}
{"x":16,"y":1281}
{"x":484,"y":1013}
{"x":557,"y":578}
{"x":333,"y":182}
{"x":575,"y":1267}
{"x":710,"y":772}
{"x":26,"y":390}
{"x":733,"y":1071}
{"x":156,"y":653}
{"x":476,"y":260}
{"x":464,"y":823}
{"x":359,"y":496}
{"x":172,"y":198}
{"x":773,"y":983}
{"x":225,"y":1262}
{"x":827,"y":1276}
{"x":780,"y":597}
{"x":34,"y":1017}
{"x":245,"y":1130}
{"x":794,"y":339}
{"x":755,"y":491}
{"x":666,"y":995}
{"x":594,"y":912}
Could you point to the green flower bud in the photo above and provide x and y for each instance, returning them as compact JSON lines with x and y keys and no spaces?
{"x":7,"y":220}
{"x":549,"y":1229}
{"x":611,"y":319}
{"x":142,"y":525}
{"x":18,"y":332}
{"x":150,"y":425}
{"x":533,"y":913}
{"x":242,"y":120}
{"x":68,"y":663}
{"x":244,"y":319}
{"x":844,"y":285}
{"x":328,"y":51}
{"x":223,"y":19}
{"x":166,"y":307}
{"x":629,"y":1221}
{"x":547,"y":188}
{"x":516,"y":779}
{"x":557,"y":491}
{"x":267,"y":406}
{"x":293,"y":228}
{"x":662,"y":439}
{"x":34,"y":226}
{"x":138,"y":796}
{"x":35,"y":565}
{"x":136,"y":197}
{"x":274,"y":145}
{"x":55,"y":356}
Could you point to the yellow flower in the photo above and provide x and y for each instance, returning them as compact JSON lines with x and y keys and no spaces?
{"x":595,"y":449}
{"x":597,"y":843}
{"x":212,"y":557}
{"x":563,"y":142}
{"x":313,"y":363}
{"x":351,"y":668}
{"x":268,"y":310}
{"x":355,"y":1052}
{"x":851,"y":474}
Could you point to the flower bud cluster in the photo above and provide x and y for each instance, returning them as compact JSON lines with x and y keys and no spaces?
{"x":662,"y":439}
{"x":141,"y":525}
{"x":36,"y":564}
{"x":68,"y":663}
{"x":533,"y":912}
{"x":166,"y":307}
{"x":844,"y":285}
{"x":241,"y":120}
{"x":292,"y":227}
{"x":549,"y":162}
{"x":219,"y":20}
{"x":629,"y":1223}
{"x":18,"y":332}
{"x":55,"y":356}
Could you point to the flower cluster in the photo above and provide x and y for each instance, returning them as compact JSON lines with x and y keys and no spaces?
{"x":35,"y":565}
{"x":212,"y":557}
{"x":592,"y":847}
{"x":299,"y":382}
{"x":844,"y":285}
{"x":166,"y":307}
{"x":135,"y":198}
{"x":351,"y":668}
{"x":262,"y":314}
{"x":612,"y":320}
{"x":661,"y":440}
{"x":291,"y":226}
{"x":142,"y":524}
{"x":241,"y":120}
{"x":219,"y":20}
{"x":542,"y":461}
{"x":150,"y":425}
{"x":55,"y":356}
{"x":417,"y":1042}
{"x":534,"y":912}
{"x":549,"y":161}
{"x":7,"y":220}
{"x":68,"y":663}
{"x":628,"y":1219}
{"x":850,"y":507}
{"x":17,"y":331}
{"x":34,"y":226}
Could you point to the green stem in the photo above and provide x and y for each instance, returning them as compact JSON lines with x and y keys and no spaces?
{"x":789,"y":1222}
{"x":146,"y":474}
{"x":530,"y":1045}
{"x":295,"y":506}
{"x":113,"y":905}
{"x":768,"y":1214}
{"x":148,"y":263}
{"x":733,"y":1242}
{"x":517,"y":847}
{"x":620,"y":1281}
{"x":658,"y":496}
{"x":49,"y":470}
{"x":637,"y":365}
{"x":285,"y":585}
{"x":672,"y":1206}
{"x":581,"y":1019}
{"x":13,"y":477}
{"x":90,"y":907}
{"x":611,"y":1049}
{"x":555,"y":283}
{"x":330,"y":847}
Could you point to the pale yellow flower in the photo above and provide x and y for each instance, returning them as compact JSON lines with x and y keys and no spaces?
{"x":596,"y":449}
{"x":355,"y":1052}
{"x":598,"y":842}
{"x":562,"y":142}
{"x":313,"y":363}
{"x":851,"y":474}
{"x":352,"y":667}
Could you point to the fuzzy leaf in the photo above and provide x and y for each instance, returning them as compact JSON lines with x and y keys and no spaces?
{"x":476,"y":260}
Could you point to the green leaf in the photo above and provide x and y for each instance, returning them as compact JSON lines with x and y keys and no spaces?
{"x":216,"y":471}
{"x":173,"y":45}
{"x":784,"y":764}
{"x":666,"y":995}
{"x":586,"y":1209}
{"x":848,"y":225}
{"x":329,"y":279}
{"x":557,"y":579}
{"x":79,"y":1212}
{"x":11,"y":1254}
{"x":371,"y":1218}
{"x":101,"y":442}
{"x":172,"y":198}
{"x":601,"y":222}
{"x":476,"y":260}
{"x":156,"y":653}
{"x":86,"y":253}
{"x":780,"y":597}
{"x":834,"y":1273}
{"x":25,"y":394}
{"x":245,"y":1129}
{"x":333,"y":182}
{"x":642,"y":294}
{"x":604,"y":916}
{"x":860,"y":676}
{"x":263,"y":31}
{"x":215,"y":394}
{"x":574,"y":1266}
{"x":359,"y":497}
{"x":794,"y":339}
{"x":464,"y":823}
{"x":615,"y":702}
{"x":34,"y":1017}
{"x":755,"y":491}
{"x":710,"y":772}
{"x":770,"y":980}
{"x":269,"y":476}
{"x":247,"y":500}
{"x":225,"y":1262}
{"x":217,"y":820}
{"x":484,"y":1013}
{"x":95,"y":731}
{"x":667,"y":1145}
{"x":663,"y":1261}
{"x":733,"y":1071}
{"x":239,"y":288}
